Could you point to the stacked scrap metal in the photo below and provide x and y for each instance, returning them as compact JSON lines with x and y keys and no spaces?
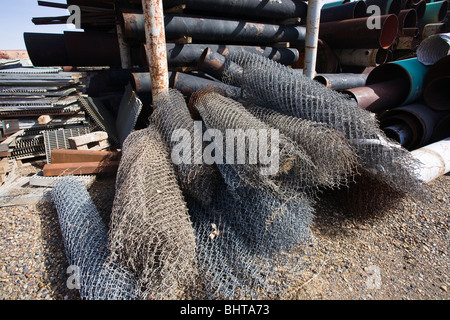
{"x":37,"y":100}
{"x":238,"y":63}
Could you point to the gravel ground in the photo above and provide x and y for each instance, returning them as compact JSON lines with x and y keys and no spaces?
{"x":402,"y":254}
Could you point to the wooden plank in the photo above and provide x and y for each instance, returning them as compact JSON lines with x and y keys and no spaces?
{"x":77,"y":142}
{"x":71,"y":156}
{"x":80,"y":168}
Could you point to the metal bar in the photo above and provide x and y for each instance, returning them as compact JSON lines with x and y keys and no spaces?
{"x":312,"y":37}
{"x":125,"y":55}
{"x":156,"y":45}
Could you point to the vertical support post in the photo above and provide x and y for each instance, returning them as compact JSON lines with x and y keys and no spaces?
{"x":312,"y":37}
{"x":125,"y":55}
{"x":156,"y":45}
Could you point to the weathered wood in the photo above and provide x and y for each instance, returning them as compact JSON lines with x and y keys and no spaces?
{"x":72,"y":156}
{"x":83,"y":142}
{"x":80,"y":168}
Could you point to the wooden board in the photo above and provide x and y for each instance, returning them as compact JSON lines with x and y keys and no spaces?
{"x":71,"y":156}
{"x":79,"y":168}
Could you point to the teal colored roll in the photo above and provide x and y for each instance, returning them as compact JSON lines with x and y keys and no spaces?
{"x":434,"y":12}
{"x":332,"y":4}
{"x":411,"y":69}
{"x":416,"y":71}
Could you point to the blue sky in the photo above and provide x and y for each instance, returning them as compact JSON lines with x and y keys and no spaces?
{"x":15,"y":19}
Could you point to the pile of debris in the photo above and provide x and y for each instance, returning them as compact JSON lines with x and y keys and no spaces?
{"x":206,"y":229}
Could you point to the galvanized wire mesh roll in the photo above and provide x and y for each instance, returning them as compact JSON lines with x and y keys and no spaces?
{"x":329,"y":150}
{"x":171,"y":113}
{"x":86,"y":244}
{"x":292,"y":170}
{"x":151,"y":232}
{"x":287,"y":91}
{"x":250,"y":244}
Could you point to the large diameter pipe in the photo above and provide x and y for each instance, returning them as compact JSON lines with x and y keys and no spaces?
{"x":273,"y":10}
{"x":410,"y":70}
{"x":342,"y":81}
{"x":355,"y":33}
{"x":442,"y":129}
{"x":435,"y":159}
{"x":407,"y":19}
{"x":420,"y":120}
{"x":217,"y":30}
{"x":386,"y":6}
{"x":434,"y":12}
{"x":420,"y":8}
{"x":437,"y":94}
{"x":156,"y":45}
{"x":362,"y":57}
{"x":434,"y":48}
{"x":312,"y":38}
{"x":351,"y":10}
{"x":380,"y":96}
{"x":439,"y":69}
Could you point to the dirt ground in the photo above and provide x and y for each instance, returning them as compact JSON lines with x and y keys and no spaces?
{"x":401,"y":254}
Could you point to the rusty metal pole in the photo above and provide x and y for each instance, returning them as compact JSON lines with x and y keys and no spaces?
{"x":312,"y":37}
{"x":156,"y":45}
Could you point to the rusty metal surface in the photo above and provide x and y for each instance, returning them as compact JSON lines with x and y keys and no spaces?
{"x":342,"y":81}
{"x":380,"y":96}
{"x":351,"y":10}
{"x":362,"y":57}
{"x":217,"y":31}
{"x":213,"y":64}
{"x":156,"y":45}
{"x":256,"y":9}
{"x":337,"y":34}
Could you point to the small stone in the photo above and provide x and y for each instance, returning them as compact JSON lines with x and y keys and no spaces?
{"x":443,"y":288}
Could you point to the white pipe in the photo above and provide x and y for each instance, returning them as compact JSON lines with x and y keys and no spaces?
{"x":435,"y":160}
{"x":312,"y":37}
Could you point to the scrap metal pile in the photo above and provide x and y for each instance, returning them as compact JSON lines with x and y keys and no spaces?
{"x":206,"y":229}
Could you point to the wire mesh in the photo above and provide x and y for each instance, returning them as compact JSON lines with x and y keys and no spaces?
{"x":150,"y":232}
{"x":85,"y":238}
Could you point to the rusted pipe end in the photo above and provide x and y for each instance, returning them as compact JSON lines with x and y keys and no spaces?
{"x":420,"y":8}
{"x":360,"y":9}
{"x":323,"y":80}
{"x":407,"y":19}
{"x":388,"y":31}
{"x":437,"y":94}
{"x":201,"y":60}
{"x":443,"y":11}
{"x":381,"y":56}
{"x":395,"y":7}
